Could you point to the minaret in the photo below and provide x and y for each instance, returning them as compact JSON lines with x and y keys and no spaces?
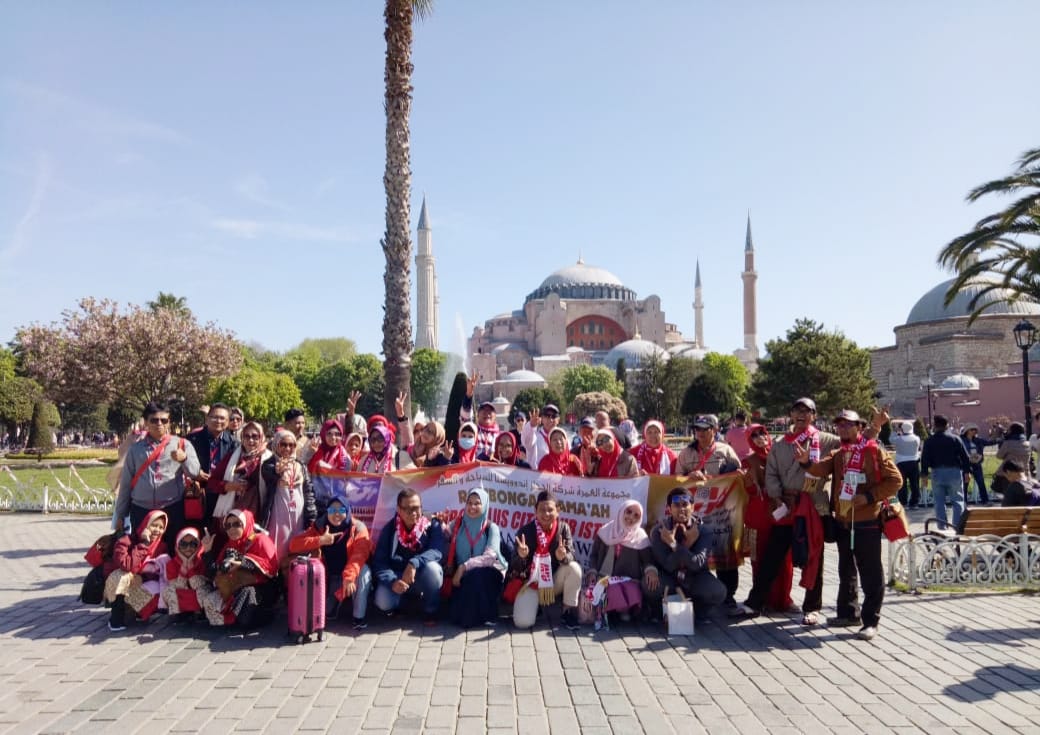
{"x":426,"y":301}
{"x":698,"y":309}
{"x":750,"y":351}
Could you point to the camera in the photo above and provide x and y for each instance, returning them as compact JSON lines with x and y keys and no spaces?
{"x":231,"y":555}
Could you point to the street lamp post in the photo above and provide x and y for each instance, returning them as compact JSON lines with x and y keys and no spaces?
{"x":1025,"y":337}
{"x":928,"y":384}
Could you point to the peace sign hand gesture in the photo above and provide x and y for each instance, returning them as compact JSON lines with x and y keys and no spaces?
{"x":521,"y":547}
{"x":471,"y":384}
{"x":399,"y":402}
{"x":352,"y":399}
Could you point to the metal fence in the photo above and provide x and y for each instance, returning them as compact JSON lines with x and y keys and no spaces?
{"x":939,"y":560}
{"x":73,"y":496}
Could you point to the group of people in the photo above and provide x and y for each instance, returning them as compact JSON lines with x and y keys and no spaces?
{"x":950,"y":462}
{"x":215,"y":521}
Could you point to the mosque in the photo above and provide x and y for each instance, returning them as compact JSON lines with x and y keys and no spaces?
{"x":580,"y":314}
{"x":968,"y":373}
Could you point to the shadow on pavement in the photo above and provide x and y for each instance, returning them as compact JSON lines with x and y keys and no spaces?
{"x":993,"y":680}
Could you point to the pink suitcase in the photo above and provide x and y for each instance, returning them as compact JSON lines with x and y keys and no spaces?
{"x":306,"y":599}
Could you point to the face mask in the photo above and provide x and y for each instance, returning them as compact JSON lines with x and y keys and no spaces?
{"x":467,"y":442}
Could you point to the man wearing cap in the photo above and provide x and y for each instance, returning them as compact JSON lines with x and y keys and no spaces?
{"x":786,"y":480}
{"x":864,"y":477}
{"x":945,"y":463}
{"x":702,"y":458}
{"x":584,"y":446}
{"x":535,"y":435}
{"x":487,"y":418}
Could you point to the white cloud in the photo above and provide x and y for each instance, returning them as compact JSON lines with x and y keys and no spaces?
{"x":20,"y":234}
{"x":253,"y":188}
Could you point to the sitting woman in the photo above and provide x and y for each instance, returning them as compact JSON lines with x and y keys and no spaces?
{"x":185,"y":577}
{"x":559,"y":460}
{"x":759,"y":520}
{"x":544,"y":559}
{"x":505,"y":451}
{"x":381,"y":451}
{"x":653,"y":456}
{"x":466,"y":450}
{"x":139,"y":562}
{"x":330,"y":457}
{"x":428,"y":449}
{"x":245,"y":573}
{"x":475,"y":564}
{"x":236,"y":478}
{"x":290,"y":498}
{"x":613,"y":460}
{"x":622,"y":559}
{"x":344,"y":545}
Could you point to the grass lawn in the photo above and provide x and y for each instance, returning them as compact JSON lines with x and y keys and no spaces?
{"x":36,"y":478}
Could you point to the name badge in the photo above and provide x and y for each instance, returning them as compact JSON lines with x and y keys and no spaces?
{"x":855,"y":478}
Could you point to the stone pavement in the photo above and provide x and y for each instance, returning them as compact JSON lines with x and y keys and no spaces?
{"x":943,"y":663}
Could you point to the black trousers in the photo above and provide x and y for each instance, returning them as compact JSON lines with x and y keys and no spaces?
{"x":859,"y":555}
{"x":780,"y":538}
{"x":911,"y":472}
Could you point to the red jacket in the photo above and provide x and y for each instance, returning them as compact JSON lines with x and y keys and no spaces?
{"x":813,"y":540}
{"x":359,"y":548}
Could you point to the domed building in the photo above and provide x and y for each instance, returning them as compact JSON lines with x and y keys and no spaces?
{"x":938,"y":356}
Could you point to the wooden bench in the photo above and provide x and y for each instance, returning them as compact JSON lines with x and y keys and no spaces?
{"x":996,"y":547}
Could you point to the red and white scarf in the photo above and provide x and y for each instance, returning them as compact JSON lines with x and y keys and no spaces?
{"x":813,"y":435}
{"x":855,"y":464}
{"x":541,"y":568}
{"x":412,"y":540}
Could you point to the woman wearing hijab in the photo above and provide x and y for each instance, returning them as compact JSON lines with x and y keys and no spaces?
{"x":466,"y":446}
{"x":344,"y":545}
{"x":624,"y":563}
{"x":246,"y":571}
{"x":428,"y":448}
{"x":758,"y":518}
{"x":475,"y":564}
{"x":505,"y":451}
{"x":381,"y":450}
{"x":237,"y":479}
{"x":290,"y":498}
{"x":613,"y":460}
{"x":355,"y":443}
{"x":139,"y":560}
{"x":185,"y":577}
{"x":559,"y":460}
{"x":653,"y":456}
{"x":331,"y":457}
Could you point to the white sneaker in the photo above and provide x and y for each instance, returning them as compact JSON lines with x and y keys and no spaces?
{"x":741,"y":610}
{"x":116,"y":628}
{"x":867,"y":633}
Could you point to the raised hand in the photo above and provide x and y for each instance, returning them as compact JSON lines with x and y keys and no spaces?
{"x":179,"y":455}
{"x":207,"y":541}
{"x":448,"y":449}
{"x":352,"y":399}
{"x":801,"y":453}
{"x":535,"y":415}
{"x":471,"y":384}
{"x":521,"y":547}
{"x":561,"y":552}
{"x":399,"y":402}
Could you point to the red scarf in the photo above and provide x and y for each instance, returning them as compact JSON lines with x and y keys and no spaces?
{"x":855,"y":463}
{"x":761,"y":452}
{"x":412,"y":540}
{"x":511,"y":459}
{"x":607,"y":466}
{"x":704,"y":455}
{"x":544,"y":540}
{"x":327,"y":458}
{"x":558,"y":464}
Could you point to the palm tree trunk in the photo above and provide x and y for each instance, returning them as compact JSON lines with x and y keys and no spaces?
{"x":397,"y":180}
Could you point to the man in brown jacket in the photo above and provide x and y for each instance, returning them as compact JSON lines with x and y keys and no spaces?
{"x":864,"y":476}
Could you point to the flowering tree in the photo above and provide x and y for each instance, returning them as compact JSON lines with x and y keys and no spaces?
{"x":102,"y":354}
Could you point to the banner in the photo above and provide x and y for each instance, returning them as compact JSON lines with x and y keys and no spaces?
{"x":719,"y":502}
{"x":585,"y":503}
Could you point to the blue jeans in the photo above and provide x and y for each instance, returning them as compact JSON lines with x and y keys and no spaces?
{"x":948,"y":482}
{"x":360,"y":599}
{"x":427,"y":586}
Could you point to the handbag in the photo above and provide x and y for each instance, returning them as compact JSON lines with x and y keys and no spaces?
{"x":678,"y":613}
{"x":893,"y":521}
{"x":194,"y":501}
{"x":101,"y":550}
{"x":93,"y":590}
{"x":586,"y":607}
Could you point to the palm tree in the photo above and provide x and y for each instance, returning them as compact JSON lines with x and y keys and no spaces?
{"x":1000,"y":257}
{"x":165,"y":300}
{"x":397,"y":180}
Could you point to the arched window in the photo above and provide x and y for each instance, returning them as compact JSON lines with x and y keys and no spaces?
{"x":891,"y":379}
{"x":910,"y":378}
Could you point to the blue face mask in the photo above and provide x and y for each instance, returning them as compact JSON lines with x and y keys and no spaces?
{"x":467,"y":442}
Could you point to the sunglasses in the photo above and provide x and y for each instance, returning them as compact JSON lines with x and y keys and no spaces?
{"x":251,"y":436}
{"x":188,"y":542}
{"x":233,"y":524}
{"x":339,"y":510}
{"x":154,"y":420}
{"x":551,"y":415}
{"x":603,"y":440}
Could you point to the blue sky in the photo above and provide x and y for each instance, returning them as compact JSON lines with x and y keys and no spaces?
{"x":233,"y":154}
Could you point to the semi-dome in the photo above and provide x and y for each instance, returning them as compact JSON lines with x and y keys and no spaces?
{"x":685,"y":350}
{"x":930,"y":306}
{"x":523,"y":376}
{"x":583,"y":281}
{"x":634,"y":352}
{"x":960,"y":381}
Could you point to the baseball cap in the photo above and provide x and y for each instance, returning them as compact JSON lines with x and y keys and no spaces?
{"x":551,"y":407}
{"x":589,"y":422}
{"x":847,"y":415}
{"x":486,"y":404}
{"x":807,"y":402}
{"x":707,"y":421}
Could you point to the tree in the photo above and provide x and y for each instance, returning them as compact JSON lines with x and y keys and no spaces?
{"x":263,"y":395}
{"x":41,"y":435}
{"x":647,"y":389}
{"x":324,"y":350}
{"x":428,"y":370}
{"x":587,"y":379}
{"x":621,"y":373}
{"x":676,"y":376}
{"x":165,"y":300}
{"x":719,"y":388}
{"x":397,"y":181}
{"x":999,"y":260}
{"x":100,"y":354}
{"x":826,"y":366}
{"x":586,"y":404}
{"x":18,"y":395}
{"x":530,"y":398}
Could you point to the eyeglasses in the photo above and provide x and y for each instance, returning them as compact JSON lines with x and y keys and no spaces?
{"x":154,"y":420}
{"x":290,"y":445}
{"x":233,"y":524}
{"x":551,"y":415}
{"x":410,"y":509}
{"x":236,"y":419}
{"x":253,"y":437}
{"x":603,"y":440}
{"x":333,"y":432}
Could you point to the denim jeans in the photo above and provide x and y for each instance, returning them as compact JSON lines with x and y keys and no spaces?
{"x":427,"y":586}
{"x":948,"y":484}
{"x":359,"y":601}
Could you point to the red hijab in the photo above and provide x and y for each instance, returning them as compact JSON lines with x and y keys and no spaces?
{"x":466,"y":455}
{"x":607,"y":466}
{"x":558,"y":463}
{"x":186,"y":566}
{"x":258,"y":547}
{"x":153,"y":545}
{"x":761,"y":452}
{"x":326,"y":457}
{"x":511,"y":459}
{"x":649,"y":458}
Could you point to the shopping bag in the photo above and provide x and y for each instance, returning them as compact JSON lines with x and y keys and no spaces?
{"x":678,"y":613}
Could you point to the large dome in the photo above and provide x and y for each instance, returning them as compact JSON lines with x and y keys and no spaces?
{"x":634,"y":352}
{"x":930,"y":307}
{"x":581,"y":281}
